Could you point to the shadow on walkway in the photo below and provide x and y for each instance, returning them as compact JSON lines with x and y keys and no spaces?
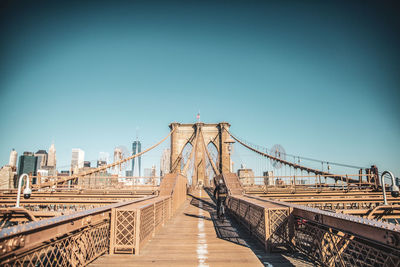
{"x":197,"y":216}
{"x":232,"y":231}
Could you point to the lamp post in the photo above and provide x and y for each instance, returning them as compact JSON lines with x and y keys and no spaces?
{"x":394,"y":189}
{"x":230,"y":143}
{"x":27,"y":190}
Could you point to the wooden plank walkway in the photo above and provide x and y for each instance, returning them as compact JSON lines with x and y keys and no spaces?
{"x":193,"y":237}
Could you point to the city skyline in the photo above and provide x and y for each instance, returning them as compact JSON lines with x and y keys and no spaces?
{"x":322,"y":84}
{"x":200,"y":133}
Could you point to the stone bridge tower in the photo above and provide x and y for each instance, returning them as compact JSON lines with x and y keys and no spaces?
{"x":212,"y":133}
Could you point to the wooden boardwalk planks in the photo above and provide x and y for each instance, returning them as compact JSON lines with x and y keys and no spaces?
{"x":192,"y":238}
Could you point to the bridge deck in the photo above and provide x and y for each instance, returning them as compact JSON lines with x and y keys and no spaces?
{"x":193,"y":237}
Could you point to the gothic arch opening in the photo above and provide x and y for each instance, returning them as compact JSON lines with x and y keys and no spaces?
{"x":187,"y":149}
{"x":213,"y":151}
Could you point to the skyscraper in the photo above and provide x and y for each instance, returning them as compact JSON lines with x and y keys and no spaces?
{"x":117,"y":154}
{"x":27,"y":164}
{"x":101,"y":163}
{"x":51,"y":157}
{"x":149,"y":174}
{"x":7,"y":177}
{"x":104,"y":156}
{"x":136,"y":149}
{"x":77,"y":159}
{"x":13,"y":159}
{"x":117,"y":157}
{"x":42,"y":159}
{"x":165,"y":162}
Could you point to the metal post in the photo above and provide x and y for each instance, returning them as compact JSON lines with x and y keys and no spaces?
{"x":383,"y":185}
{"x":20,"y":185}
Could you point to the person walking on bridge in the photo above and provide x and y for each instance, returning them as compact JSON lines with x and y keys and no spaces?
{"x":220,"y":193}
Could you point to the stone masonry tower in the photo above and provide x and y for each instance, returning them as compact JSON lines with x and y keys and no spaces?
{"x":194,"y":134}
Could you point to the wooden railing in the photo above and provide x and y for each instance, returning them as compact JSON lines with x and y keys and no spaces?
{"x":329,"y":238}
{"x":132,"y":226}
{"x":79,"y":238}
{"x":260,"y":219}
{"x":68,"y":240}
{"x":174,"y":185}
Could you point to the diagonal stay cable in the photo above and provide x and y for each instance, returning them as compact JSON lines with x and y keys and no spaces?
{"x":102,"y":168}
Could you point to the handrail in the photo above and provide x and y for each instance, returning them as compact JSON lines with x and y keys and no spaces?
{"x":36,"y":226}
{"x":316,"y":214}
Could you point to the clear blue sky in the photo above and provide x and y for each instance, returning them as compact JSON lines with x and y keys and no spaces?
{"x":321,"y":79}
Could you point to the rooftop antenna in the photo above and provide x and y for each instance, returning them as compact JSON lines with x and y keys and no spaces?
{"x":198,"y":116}
{"x":137,"y":133}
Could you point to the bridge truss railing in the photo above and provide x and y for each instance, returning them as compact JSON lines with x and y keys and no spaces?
{"x":132,"y":226}
{"x":332,"y":239}
{"x":68,"y":240}
{"x":319,"y":181}
{"x":96,"y":181}
{"x":79,"y":238}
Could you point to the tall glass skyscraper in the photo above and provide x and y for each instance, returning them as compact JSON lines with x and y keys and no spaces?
{"x":27,"y":164}
{"x":137,"y":148}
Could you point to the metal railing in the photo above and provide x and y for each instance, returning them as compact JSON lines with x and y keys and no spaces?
{"x":300,"y":182}
{"x":79,"y":238}
{"x":332,"y":239}
{"x":96,"y":181}
{"x":69,"y":239}
{"x":132,"y":226}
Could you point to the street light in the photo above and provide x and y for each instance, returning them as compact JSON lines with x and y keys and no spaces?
{"x":230,"y":143}
{"x":394,"y":189}
{"x":27,"y":190}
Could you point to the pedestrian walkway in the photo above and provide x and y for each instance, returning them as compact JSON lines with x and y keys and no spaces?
{"x":195,"y":237}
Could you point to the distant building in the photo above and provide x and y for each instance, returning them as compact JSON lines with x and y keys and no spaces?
{"x":128,"y":173}
{"x":42,"y":172}
{"x":246,"y":176}
{"x":117,"y":154}
{"x":13,"y":159}
{"x":149,"y":175}
{"x":91,"y":180}
{"x":268,"y":178}
{"x":150,"y":172}
{"x":101,"y":163}
{"x":51,"y":163}
{"x":77,"y":159}
{"x":27,"y":164}
{"x":165,"y":162}
{"x":117,"y":157}
{"x":51,"y":157}
{"x":42,"y":159}
{"x":52,"y":171}
{"x":28,"y":153}
{"x":136,"y":149}
{"x":42,"y":175}
{"x":7,"y":177}
{"x":86,"y":164}
{"x":104,"y":156}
